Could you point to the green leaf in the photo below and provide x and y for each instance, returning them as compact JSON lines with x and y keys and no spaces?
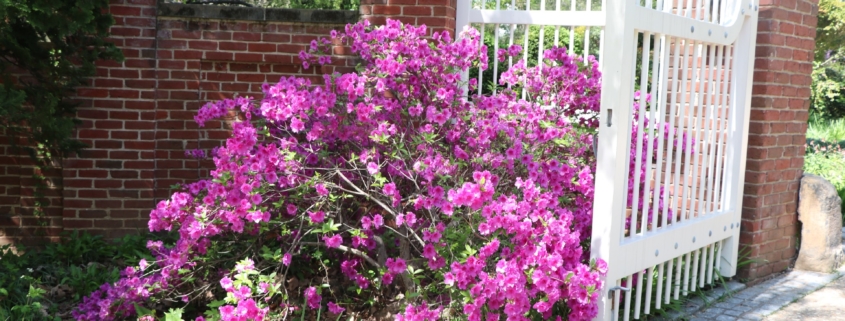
{"x":173,"y":315}
{"x":216,"y":303}
{"x":141,"y":311}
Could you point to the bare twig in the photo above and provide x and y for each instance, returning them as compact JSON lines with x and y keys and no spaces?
{"x":349,"y":250}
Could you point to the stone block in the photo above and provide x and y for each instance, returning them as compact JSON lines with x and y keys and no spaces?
{"x":819,"y":210}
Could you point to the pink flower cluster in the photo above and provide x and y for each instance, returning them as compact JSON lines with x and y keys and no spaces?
{"x":486,"y":200}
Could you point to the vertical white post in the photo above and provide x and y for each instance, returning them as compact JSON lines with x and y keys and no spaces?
{"x":461,"y":22}
{"x":613,"y":145}
{"x":740,"y":111}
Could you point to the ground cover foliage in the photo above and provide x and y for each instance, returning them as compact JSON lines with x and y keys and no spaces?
{"x":46,"y":283}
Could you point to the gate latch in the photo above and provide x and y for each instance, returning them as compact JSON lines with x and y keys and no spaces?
{"x":611,"y":290}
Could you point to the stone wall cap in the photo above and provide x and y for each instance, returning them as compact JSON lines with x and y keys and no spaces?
{"x":216,"y":12}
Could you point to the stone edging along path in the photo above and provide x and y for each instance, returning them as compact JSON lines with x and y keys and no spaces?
{"x":756,"y":302}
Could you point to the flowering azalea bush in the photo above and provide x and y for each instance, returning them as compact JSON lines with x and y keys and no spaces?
{"x":386,"y":189}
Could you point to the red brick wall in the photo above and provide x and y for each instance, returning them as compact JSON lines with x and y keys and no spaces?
{"x":437,"y":15}
{"x":27,"y":215}
{"x":137,"y":117}
{"x":780,"y":104}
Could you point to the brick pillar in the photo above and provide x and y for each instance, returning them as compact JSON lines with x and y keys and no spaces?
{"x":779,"y":111}
{"x":437,"y":15}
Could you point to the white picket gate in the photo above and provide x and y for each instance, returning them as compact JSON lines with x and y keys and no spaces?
{"x":696,"y":59}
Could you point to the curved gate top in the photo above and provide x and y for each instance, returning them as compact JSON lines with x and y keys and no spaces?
{"x":666,"y":218}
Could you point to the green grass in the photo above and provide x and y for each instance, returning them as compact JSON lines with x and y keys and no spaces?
{"x":832,"y":131}
{"x":825,"y":154}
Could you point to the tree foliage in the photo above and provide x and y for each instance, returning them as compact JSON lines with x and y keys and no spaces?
{"x":47,"y":49}
{"x":829,"y":66}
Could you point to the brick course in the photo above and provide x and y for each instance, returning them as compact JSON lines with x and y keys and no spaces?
{"x":437,"y":15}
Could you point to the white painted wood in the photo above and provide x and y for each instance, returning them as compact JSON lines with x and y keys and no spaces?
{"x":687,"y":276}
{"x":698,"y":141}
{"x":680,"y":180}
{"x":690,"y":130}
{"x":616,"y":303}
{"x":712,"y":263}
{"x":669,"y":282}
{"x":542,"y":39}
{"x":635,"y":204}
{"x":571,"y":47}
{"x":743,"y":68}
{"x":713,"y":129}
{"x":651,"y":196}
{"x":669,"y":204}
{"x":702,"y":267}
{"x":587,"y":32}
{"x":719,"y":257}
{"x":639,"y":299}
{"x":495,"y":60}
{"x":611,"y":167}
{"x":649,"y":284}
{"x":481,"y":74}
{"x":723,"y":125}
{"x":697,"y":260}
{"x":658,"y":298}
{"x":677,"y":284}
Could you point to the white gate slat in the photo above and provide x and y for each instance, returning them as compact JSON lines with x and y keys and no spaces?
{"x":669,"y":207}
{"x":616,"y":303}
{"x":635,"y":212}
{"x":687,"y":261}
{"x":638,"y":302}
{"x":587,"y":31}
{"x":658,"y":298}
{"x":705,"y":184}
{"x":652,"y":130}
{"x":714,"y":130}
{"x":723,"y":131}
{"x":711,"y":263}
{"x":481,"y":74}
{"x":669,"y":284}
{"x":572,"y":28}
{"x":702,"y":267}
{"x":682,"y":138}
{"x":678,"y":271}
{"x":699,"y":143}
{"x":650,"y":281}
{"x":661,"y":107}
{"x":690,"y":102}
{"x":626,"y":314}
